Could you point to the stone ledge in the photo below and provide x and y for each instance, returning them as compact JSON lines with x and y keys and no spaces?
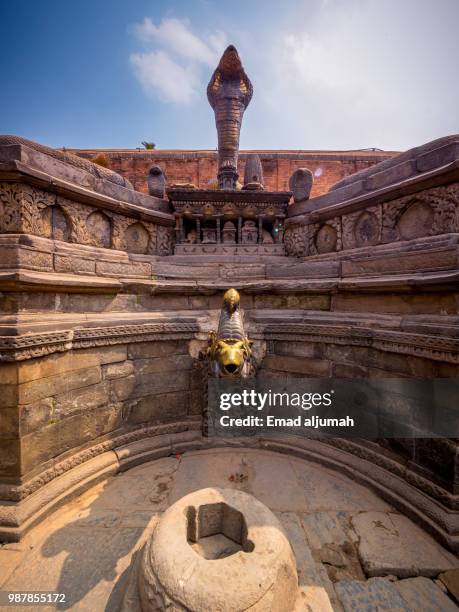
{"x":20,"y":160}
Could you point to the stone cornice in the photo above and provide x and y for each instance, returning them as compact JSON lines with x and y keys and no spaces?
{"x":333,"y":204}
{"x":331,"y":330}
{"x":17,"y":171}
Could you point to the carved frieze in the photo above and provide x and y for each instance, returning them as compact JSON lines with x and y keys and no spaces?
{"x":21,"y":208}
{"x":427,"y":213}
{"x":296,"y":240}
{"x":27,"y":209}
{"x":165,"y":239}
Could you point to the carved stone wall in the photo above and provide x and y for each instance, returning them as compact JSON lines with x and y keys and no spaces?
{"x":428,"y":213}
{"x":31,"y":210}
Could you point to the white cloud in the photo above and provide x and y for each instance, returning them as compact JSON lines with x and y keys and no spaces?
{"x":353,"y":75}
{"x":171,"y":70}
{"x":160,"y":75}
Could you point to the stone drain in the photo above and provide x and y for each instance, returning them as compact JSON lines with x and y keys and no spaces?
{"x":215,"y":549}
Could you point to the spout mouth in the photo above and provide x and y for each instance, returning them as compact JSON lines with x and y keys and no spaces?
{"x":230,"y":64}
{"x":231,"y":368}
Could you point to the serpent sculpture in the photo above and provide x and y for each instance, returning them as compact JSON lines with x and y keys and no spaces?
{"x":78,"y":162}
{"x":229,"y":352}
{"x":229,"y":92}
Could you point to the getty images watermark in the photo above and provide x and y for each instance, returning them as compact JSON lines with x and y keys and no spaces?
{"x":259,"y":401}
{"x":359,"y":408}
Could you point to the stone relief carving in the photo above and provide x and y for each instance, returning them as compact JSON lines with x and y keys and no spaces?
{"x":27,"y":209}
{"x":428,"y":213}
{"x":21,"y":208}
{"x":325,"y":237}
{"x":165,"y":240}
{"x":362,"y":228}
{"x":295,"y":240}
{"x":100,"y":229}
{"x":137,"y":238}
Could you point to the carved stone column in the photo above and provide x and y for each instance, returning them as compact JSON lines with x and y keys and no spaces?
{"x":219,"y":238}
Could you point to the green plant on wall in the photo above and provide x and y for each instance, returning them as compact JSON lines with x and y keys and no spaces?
{"x":148,"y":145}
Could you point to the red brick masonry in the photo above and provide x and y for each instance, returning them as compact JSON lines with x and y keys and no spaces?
{"x":200,"y":167}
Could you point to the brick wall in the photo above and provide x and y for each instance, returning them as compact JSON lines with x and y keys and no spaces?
{"x":200,"y":167}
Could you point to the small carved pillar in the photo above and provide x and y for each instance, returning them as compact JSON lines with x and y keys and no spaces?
{"x":182,"y":233}
{"x":260,"y":229}
{"x":239,"y":229}
{"x":178,"y":235}
{"x":218,"y":229}
{"x":198,"y":229}
{"x":278,"y":230}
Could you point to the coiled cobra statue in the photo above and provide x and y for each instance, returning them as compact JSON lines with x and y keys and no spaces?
{"x":229,"y":93}
{"x":229,"y":351}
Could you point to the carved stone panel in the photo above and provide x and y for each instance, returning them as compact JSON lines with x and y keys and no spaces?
{"x":295,"y":240}
{"x":165,"y":240}
{"x":99,"y":229}
{"x":362,"y":228}
{"x":430,"y":212}
{"x":367,"y":229}
{"x":416,"y":221}
{"x":60,"y":224}
{"x":137,"y":238}
{"x":326,"y":239}
{"x":21,"y":208}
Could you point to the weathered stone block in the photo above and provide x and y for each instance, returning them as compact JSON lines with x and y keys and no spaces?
{"x":434,"y":303}
{"x":36,"y":415}
{"x":9,"y":422}
{"x":74,"y":265}
{"x":10,"y":457}
{"x":122,"y":388}
{"x":451,"y":580}
{"x":144,"y":350}
{"x":117,"y":370}
{"x":80,"y":400}
{"x":9,"y":395}
{"x":294,"y":349}
{"x":148,"y":383}
{"x":423,"y":594}
{"x":307,"y":302}
{"x":15,"y":256}
{"x":442,"y":259}
{"x":390,"y":543}
{"x":161,"y":407}
{"x":306,"y":366}
{"x":374,"y":594}
{"x":135,"y":270}
{"x":58,"y":363}
{"x":171,"y":363}
{"x":58,"y":383}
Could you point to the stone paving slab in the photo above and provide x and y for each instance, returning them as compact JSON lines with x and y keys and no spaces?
{"x":423,"y":594}
{"x":392,"y":544}
{"x":327,"y":490}
{"x":257,"y":473}
{"x":316,"y":591}
{"x":374,"y":595}
{"x":451,"y":581}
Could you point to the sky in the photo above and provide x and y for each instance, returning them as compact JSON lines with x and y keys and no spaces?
{"x":327,"y":74}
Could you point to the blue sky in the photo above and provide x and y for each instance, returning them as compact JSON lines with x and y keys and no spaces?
{"x":327,"y":74}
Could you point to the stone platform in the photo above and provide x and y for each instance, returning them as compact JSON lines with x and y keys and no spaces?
{"x":337,"y":528}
